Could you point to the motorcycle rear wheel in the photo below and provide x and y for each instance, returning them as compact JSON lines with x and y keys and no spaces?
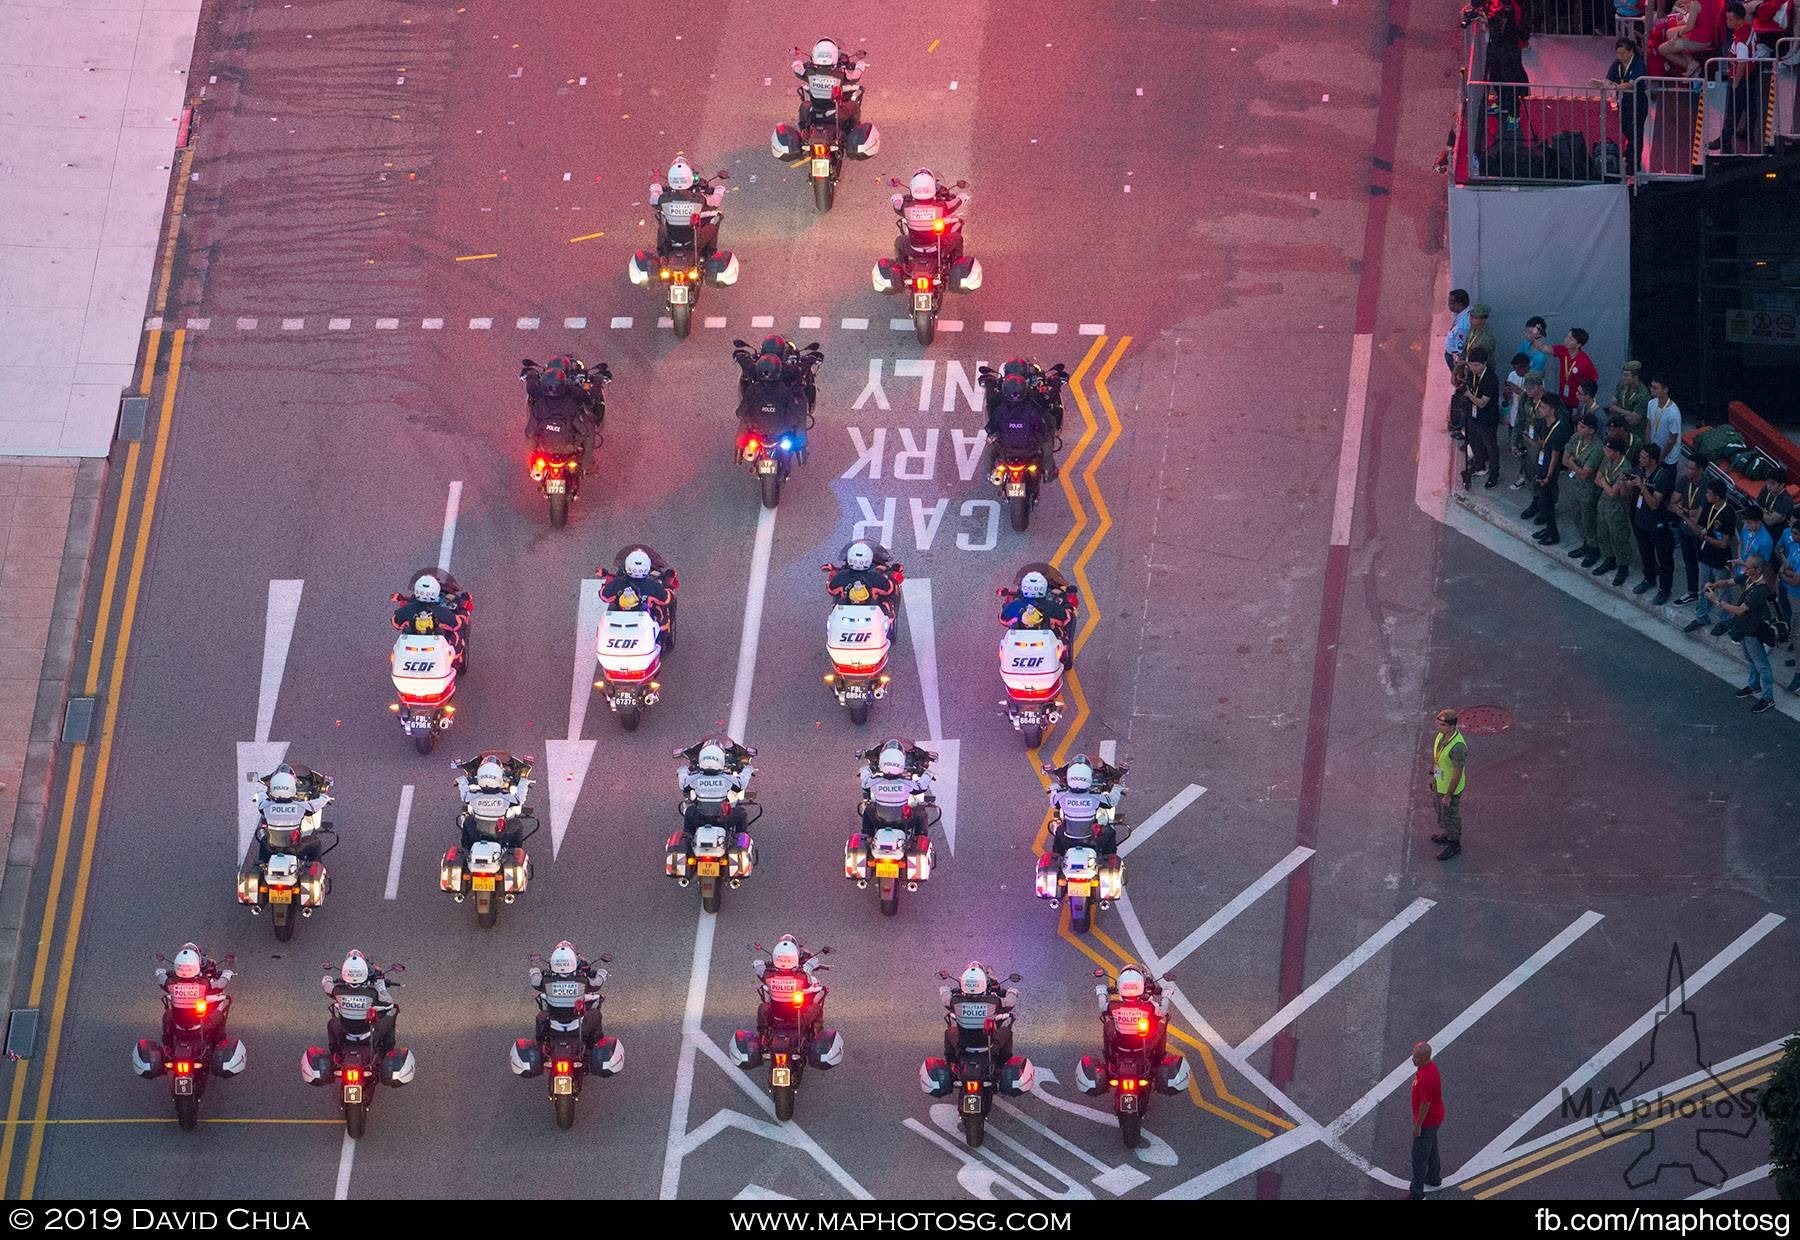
{"x":356,"y":1120}
{"x":1033,"y":734}
{"x":683,"y":318}
{"x":1081,"y":914}
{"x":1131,"y":1130}
{"x":784,"y":1102}
{"x":824,"y":193}
{"x":485,"y":918}
{"x":771,"y":490}
{"x":565,"y":1112}
{"x":187,"y":1112}
{"x":859,"y":712}
{"x":925,"y":325}
{"x":974,"y":1130}
{"x":1021,"y":512}
{"x":709,"y":900}
{"x":425,"y":741}
{"x":559,"y":511}
{"x":890,"y":897}
{"x":281,"y":918}
{"x":629,"y":717}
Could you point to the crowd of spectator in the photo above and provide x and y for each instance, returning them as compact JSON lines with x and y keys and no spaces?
{"x":1634,"y":490}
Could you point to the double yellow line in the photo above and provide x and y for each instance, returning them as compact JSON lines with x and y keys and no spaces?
{"x":76,"y":773}
{"x":1253,"y":1118}
{"x":1592,"y":1140}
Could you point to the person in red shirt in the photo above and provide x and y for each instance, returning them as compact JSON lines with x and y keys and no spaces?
{"x":1769,"y":21}
{"x":1427,"y":1117}
{"x":1654,"y":64}
{"x":1574,"y":366}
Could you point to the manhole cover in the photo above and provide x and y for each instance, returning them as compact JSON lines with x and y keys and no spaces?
{"x":1483,"y":720}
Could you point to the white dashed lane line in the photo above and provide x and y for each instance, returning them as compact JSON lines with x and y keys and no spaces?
{"x":247,"y":324}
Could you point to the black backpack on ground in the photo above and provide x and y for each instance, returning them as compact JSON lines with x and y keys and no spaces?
{"x":1569,"y":156}
{"x":1606,"y":161}
{"x":1514,"y":157}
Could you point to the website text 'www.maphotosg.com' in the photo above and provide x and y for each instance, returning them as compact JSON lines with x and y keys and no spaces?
{"x":899,"y":1220}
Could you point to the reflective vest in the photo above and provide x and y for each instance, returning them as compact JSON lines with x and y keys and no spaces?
{"x":1440,"y":756}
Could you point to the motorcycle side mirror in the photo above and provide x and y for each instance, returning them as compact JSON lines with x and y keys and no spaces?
{"x":1014,"y":977}
{"x":159,"y":958}
{"x":823,"y":951}
{"x":721,"y":176}
{"x":962,"y":185}
{"x":250,"y":777}
{"x":534,"y":958}
{"x":526,"y":361}
{"x":742,"y":344}
{"x":1099,"y":972}
{"x":396,"y":967}
{"x":812,"y":347}
{"x":944,"y":974}
{"x":895,"y":182}
{"x":605,"y":957}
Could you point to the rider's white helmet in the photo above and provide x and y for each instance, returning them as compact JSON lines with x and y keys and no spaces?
{"x":1080,"y":777}
{"x":681,"y":176}
{"x":564,"y":959}
{"x":825,"y":54}
{"x":712,"y":758}
{"x":427,"y":589}
{"x":924,"y":185}
{"x":860,"y":556}
{"x":283,"y":786}
{"x":491,"y":775}
{"x":1034,"y":585}
{"x":893,"y":760}
{"x":786,"y":954}
{"x":187,"y":962}
{"x":974,"y":979}
{"x":637,"y":564}
{"x":1131,"y":984}
{"x":356,"y":970}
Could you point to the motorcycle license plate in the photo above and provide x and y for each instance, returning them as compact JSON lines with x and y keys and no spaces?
{"x":1081,"y":889}
{"x":678,"y":295}
{"x":781,"y":1076}
{"x":1128,"y":1104}
{"x":281,"y":895}
{"x":353,"y":1093}
{"x":481,"y":882}
{"x":708,"y":869}
{"x":971,"y":1104}
{"x":821,"y":167}
{"x":563,"y":1085}
{"x":184,"y":1087}
{"x":625,"y":699}
{"x":555,"y":486}
{"x":887,"y":869}
{"x":1015,"y":490}
{"x":855,"y":693}
{"x":923,"y":301}
{"x":766,"y":465}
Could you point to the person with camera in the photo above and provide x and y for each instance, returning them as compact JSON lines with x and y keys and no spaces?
{"x":1650,"y":514}
{"x":1505,"y":66}
{"x":1749,"y":626}
{"x":1483,"y":393}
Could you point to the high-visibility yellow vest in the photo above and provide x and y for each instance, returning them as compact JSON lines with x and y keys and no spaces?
{"x":1440,"y":755}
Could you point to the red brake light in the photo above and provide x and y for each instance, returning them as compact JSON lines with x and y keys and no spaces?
{"x":562,"y":1067}
{"x":1143,"y":1024}
{"x":353,"y":1075}
{"x":820,"y":150}
{"x":200,"y":1008}
{"x":973,"y":1087}
{"x":183,"y":1067}
{"x":780,"y":1059}
{"x":1129,"y":1085}
{"x":923,"y":283}
{"x":797,"y":998}
{"x":937,"y":226}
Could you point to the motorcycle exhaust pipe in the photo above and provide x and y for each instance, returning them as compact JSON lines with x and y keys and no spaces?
{"x":510,"y":897}
{"x":912,"y":886}
{"x":736,"y":883}
{"x":256,"y":910}
{"x":862,"y":884}
{"x":307,"y":911}
{"x":1055,"y":903}
{"x":1105,"y":904}
{"x":457,"y":896}
{"x":682,"y":882}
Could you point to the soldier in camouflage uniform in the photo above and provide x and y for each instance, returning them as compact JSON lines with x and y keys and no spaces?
{"x":1615,"y":511}
{"x":1584,"y":456}
{"x":1537,"y":438}
{"x":1630,"y":408}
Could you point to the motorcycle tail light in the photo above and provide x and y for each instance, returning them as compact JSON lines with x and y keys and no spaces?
{"x":537,"y":468}
{"x":353,"y":1075}
{"x":1143,"y":1024}
{"x":797,"y":998}
{"x":200,"y":1008}
{"x":820,"y":150}
{"x":923,"y":284}
{"x":183,"y":1067}
{"x":780,"y":1059}
{"x":1130,"y":1086}
{"x":972,"y":1086}
{"x":937,"y":226}
{"x":562,"y":1067}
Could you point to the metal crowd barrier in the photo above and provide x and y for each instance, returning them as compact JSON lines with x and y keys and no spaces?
{"x":1738,"y":110}
{"x":1555,"y":135}
{"x":1787,"y":99}
{"x":1570,"y":16}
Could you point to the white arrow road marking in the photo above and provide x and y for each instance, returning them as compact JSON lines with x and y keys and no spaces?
{"x":1494,"y":1152}
{"x":346,"y":1160}
{"x":1161,"y":818}
{"x":448,"y":542}
{"x":569,"y":759}
{"x":974,"y":1176}
{"x":944,"y":1115}
{"x":756,"y":1192}
{"x":921,"y":624}
{"x":398,"y":851}
{"x":263,"y":755}
{"x":1114,"y":1179}
{"x":1343,"y":969}
{"x":1243,"y":900}
{"x":1154,"y":1149}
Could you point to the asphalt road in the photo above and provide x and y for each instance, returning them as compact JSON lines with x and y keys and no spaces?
{"x":1198,"y":252}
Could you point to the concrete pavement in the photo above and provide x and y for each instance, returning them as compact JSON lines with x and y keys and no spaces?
{"x":1200,"y":503}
